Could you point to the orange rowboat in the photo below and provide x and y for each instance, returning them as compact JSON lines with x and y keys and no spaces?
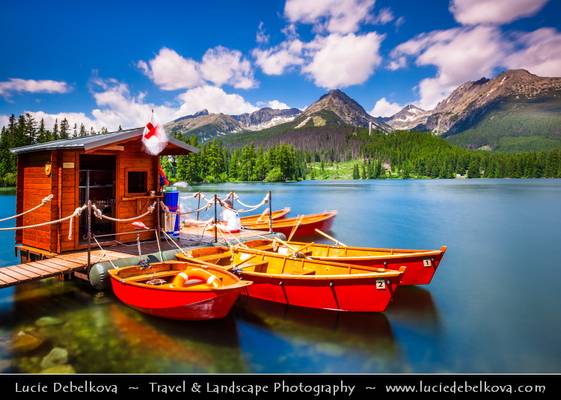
{"x":305,"y":224}
{"x":253,"y":219}
{"x":305,"y":283}
{"x":178,"y":290}
{"x":421,"y":264}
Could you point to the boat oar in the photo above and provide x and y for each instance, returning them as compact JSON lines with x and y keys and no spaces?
{"x":237,"y":265}
{"x":265,"y":211}
{"x":295,"y":228}
{"x":331,"y":238}
{"x":302,"y":248}
{"x":294,"y":249}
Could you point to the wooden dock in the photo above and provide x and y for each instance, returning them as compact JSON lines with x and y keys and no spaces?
{"x":76,"y":262}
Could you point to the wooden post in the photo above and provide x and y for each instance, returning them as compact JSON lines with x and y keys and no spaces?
{"x":198,"y":204}
{"x":270,"y":212}
{"x":215,"y":218}
{"x":89,"y":234}
{"x":158,"y":228}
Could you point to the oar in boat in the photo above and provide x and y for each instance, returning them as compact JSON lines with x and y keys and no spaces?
{"x":295,"y":228}
{"x":331,"y":238}
{"x":234,"y":267}
{"x":265,"y":211}
{"x":294,"y":249}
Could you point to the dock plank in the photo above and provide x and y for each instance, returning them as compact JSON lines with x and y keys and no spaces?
{"x":60,"y":264}
{"x":19,"y":270}
{"x":14,"y":274}
{"x":50,"y":266}
{"x":47,"y":268}
{"x":6,"y":278}
{"x":34,"y":269}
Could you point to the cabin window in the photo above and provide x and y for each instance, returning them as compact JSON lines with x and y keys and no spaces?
{"x":137,"y":182}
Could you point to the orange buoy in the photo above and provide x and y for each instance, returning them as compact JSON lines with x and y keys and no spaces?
{"x":205,"y":276}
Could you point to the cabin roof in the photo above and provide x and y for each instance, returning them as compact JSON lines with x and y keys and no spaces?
{"x":88,"y":143}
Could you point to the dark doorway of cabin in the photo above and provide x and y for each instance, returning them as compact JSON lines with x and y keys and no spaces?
{"x":97,"y":183}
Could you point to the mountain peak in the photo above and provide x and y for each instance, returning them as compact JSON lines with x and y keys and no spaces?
{"x":344,"y":107}
{"x":471,"y":98}
{"x":409,"y":117}
{"x":200,"y":113}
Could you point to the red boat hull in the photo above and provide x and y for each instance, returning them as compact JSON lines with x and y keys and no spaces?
{"x":417,"y":272}
{"x":305,"y":230}
{"x":180,"y":305}
{"x":356,"y":295}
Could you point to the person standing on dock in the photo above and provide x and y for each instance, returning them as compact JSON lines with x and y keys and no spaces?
{"x":230,"y":217}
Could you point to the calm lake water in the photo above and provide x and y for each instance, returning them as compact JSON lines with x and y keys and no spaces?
{"x":493,"y":305}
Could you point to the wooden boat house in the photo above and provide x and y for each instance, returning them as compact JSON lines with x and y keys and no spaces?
{"x":111,"y":170}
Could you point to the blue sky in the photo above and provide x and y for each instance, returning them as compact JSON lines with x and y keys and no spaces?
{"x":108,"y":63}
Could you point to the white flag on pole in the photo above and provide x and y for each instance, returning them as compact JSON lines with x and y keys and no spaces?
{"x":154,"y":137}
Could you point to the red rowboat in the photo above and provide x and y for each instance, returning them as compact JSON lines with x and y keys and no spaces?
{"x":178,"y":290}
{"x":306,"y":283}
{"x":421,"y":264}
{"x":305,"y":224}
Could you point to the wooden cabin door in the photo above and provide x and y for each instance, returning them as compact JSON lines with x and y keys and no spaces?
{"x":97,"y":183}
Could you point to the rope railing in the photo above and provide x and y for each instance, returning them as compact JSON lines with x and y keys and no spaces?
{"x":70,"y":217}
{"x":99,"y":214}
{"x":43,"y":202}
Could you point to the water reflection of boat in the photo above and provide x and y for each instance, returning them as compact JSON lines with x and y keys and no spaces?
{"x":137,"y":332}
{"x":209,"y":345}
{"x":362,"y":333}
{"x":415,"y":307}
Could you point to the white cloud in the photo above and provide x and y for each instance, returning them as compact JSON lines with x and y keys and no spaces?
{"x":72,"y":117}
{"x":220,"y":66}
{"x":460,"y":54}
{"x":343,"y":60}
{"x":261,"y":36}
{"x":472,"y":12}
{"x":539,"y":52}
{"x":385,"y":108}
{"x":215,"y":100}
{"x":223,"y":66}
{"x":276,"y":104}
{"x":384,"y":16}
{"x":32,"y":86}
{"x":116,"y":106}
{"x":276,"y":60}
{"x":335,"y":16}
{"x":397,"y":63}
{"x":170,"y":71}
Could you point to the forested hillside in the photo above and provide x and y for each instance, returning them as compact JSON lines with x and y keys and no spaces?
{"x":394,"y":155}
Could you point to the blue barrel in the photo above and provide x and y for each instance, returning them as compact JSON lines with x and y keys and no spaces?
{"x":171,"y":200}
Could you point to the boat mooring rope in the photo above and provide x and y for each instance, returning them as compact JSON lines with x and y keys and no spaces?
{"x":43,"y":202}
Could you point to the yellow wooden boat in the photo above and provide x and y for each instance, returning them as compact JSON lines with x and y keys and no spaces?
{"x":421,"y":264}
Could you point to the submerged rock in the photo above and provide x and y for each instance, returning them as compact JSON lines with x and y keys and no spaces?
{"x":59,"y":369}
{"x":24,"y":342}
{"x":48,"y":321}
{"x":57,"y":356}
